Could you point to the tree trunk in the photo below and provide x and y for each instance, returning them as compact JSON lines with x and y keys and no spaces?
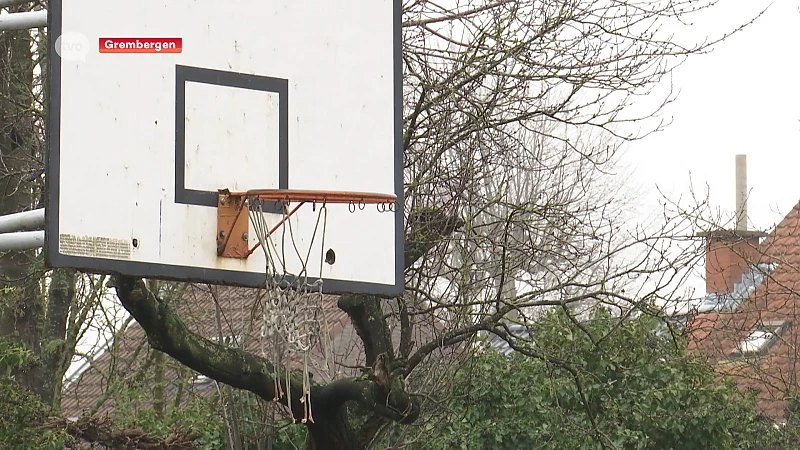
{"x":57,"y":349}
{"x":331,"y":431}
{"x":159,"y":369}
{"x":21,"y":308}
{"x":29,"y":317}
{"x":378,"y":393}
{"x":159,"y":400}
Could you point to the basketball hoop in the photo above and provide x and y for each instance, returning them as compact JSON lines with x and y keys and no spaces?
{"x":294,"y":320}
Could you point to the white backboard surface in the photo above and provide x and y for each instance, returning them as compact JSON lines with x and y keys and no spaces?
{"x":261,"y":94}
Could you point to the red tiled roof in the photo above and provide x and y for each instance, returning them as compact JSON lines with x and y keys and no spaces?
{"x":774,"y":375}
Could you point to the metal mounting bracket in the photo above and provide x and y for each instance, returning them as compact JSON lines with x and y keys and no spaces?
{"x":232,"y":225}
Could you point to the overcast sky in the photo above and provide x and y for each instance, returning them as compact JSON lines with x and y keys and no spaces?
{"x":744,"y":97}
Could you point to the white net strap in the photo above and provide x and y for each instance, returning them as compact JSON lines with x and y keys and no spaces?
{"x":293,"y":315}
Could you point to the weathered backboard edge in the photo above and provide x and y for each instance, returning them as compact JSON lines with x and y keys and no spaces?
{"x":54,"y":259}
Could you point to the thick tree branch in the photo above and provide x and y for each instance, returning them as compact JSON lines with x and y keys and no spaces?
{"x":166,"y":332}
{"x":367,"y":317}
{"x":427,"y":228}
{"x":405,"y":328}
{"x":394,"y":404}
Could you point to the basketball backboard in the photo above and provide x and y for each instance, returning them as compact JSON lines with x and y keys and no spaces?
{"x":175,"y":100}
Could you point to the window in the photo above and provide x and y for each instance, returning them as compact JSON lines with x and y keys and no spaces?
{"x":757,"y":341}
{"x":760,"y":339}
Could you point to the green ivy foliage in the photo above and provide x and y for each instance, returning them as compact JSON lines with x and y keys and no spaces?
{"x":198,"y":418}
{"x":604,"y":384}
{"x":23,"y":422}
{"x":203,"y":418}
{"x":13,"y":356}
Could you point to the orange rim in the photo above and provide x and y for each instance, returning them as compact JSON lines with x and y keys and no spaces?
{"x":295,"y":195}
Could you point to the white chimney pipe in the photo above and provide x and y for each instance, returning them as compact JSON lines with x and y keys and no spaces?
{"x":741,"y":192}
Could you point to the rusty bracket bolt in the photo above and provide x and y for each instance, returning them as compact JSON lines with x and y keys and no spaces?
{"x":245,"y":236}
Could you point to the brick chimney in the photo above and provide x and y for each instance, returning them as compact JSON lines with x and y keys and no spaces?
{"x":730,"y":252}
{"x":728,"y":256}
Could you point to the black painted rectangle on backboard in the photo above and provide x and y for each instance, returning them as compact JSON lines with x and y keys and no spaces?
{"x":187,"y":74}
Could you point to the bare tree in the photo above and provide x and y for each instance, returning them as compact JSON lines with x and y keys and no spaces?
{"x":514,"y":116}
{"x":514,"y":113}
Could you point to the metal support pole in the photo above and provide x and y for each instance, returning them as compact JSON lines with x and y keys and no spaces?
{"x":28,"y":220}
{"x":23,"y":20}
{"x":24,"y":240}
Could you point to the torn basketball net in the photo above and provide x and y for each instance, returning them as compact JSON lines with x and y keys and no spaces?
{"x":294,"y":321}
{"x":293,"y":310}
